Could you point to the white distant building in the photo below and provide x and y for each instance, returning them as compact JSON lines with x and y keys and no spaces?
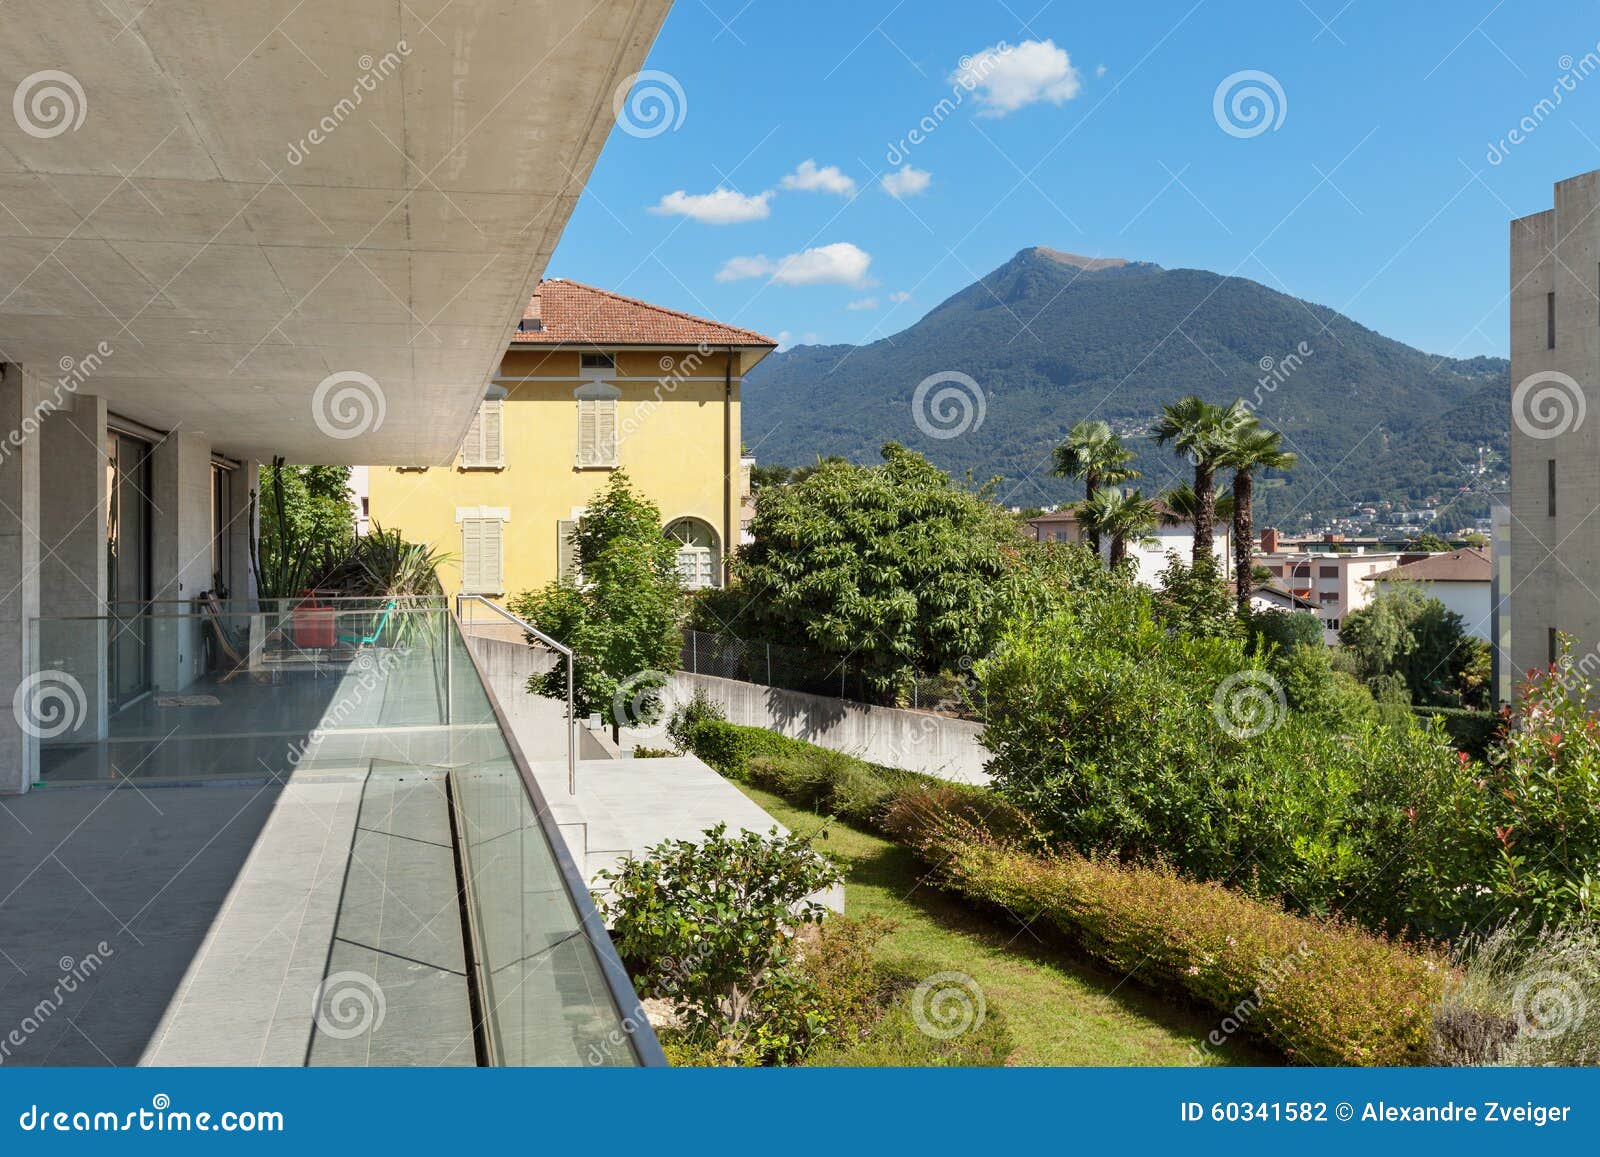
{"x":1330,"y":575}
{"x":1151,"y":553}
{"x":1461,"y":580}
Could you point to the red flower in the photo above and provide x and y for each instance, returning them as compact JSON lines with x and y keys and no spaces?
{"x":1463,"y":758}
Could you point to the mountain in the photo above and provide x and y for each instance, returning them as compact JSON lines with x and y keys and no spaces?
{"x":1050,"y":338}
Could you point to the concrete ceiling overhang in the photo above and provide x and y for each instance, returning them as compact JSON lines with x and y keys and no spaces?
{"x":305,"y":228}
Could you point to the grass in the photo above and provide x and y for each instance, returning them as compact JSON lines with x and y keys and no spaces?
{"x":1060,"y":1009}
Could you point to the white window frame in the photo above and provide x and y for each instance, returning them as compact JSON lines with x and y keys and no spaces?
{"x":707,"y":559}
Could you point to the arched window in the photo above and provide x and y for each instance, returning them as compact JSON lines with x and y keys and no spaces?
{"x":699,"y":564}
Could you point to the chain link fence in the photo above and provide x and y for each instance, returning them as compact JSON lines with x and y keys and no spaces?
{"x":726,"y":656}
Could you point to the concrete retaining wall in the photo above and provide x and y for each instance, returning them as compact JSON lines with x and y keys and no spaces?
{"x":912,"y":740}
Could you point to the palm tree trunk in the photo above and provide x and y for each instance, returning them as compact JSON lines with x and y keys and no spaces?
{"x":1091,"y":487}
{"x":1243,"y":533}
{"x":1205,"y":511}
{"x":1119,"y":551}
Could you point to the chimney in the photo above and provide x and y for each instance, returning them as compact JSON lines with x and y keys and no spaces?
{"x":1269,"y":541}
{"x":532,"y":321}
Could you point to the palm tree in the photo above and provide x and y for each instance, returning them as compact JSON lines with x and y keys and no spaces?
{"x":1097,"y":457}
{"x":1180,"y":502}
{"x":1251,"y":448}
{"x":1201,"y":431}
{"x":1121,"y":516}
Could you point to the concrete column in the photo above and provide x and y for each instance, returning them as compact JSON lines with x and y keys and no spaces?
{"x":180,"y":556}
{"x":21,"y":394}
{"x":72,"y":562}
{"x":243,"y":531}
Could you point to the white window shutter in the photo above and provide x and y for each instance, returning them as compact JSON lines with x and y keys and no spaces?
{"x":489,"y":569}
{"x":566,"y":556}
{"x":472,"y":444}
{"x":588,"y":435}
{"x":471,"y":555}
{"x":492,"y":417}
{"x":606,"y":432}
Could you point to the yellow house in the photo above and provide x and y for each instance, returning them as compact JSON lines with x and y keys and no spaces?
{"x":591,"y":382}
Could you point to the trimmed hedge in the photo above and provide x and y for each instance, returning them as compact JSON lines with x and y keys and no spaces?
{"x":1470,"y":731}
{"x":1321,"y":991}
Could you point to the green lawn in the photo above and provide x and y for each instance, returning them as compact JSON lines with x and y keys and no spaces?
{"x":1060,"y":1009}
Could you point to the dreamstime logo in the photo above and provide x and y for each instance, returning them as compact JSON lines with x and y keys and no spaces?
{"x":659,"y":104}
{"x":1248,"y":103}
{"x":73,"y":975}
{"x":49,"y":103}
{"x":1547,"y":404}
{"x":640,"y":702}
{"x":947,"y":1004}
{"x":50,"y":703}
{"x":372,"y":72}
{"x":1275,"y":372}
{"x":956,"y":406}
{"x":1573,"y":73}
{"x":347,"y":1004}
{"x":1547,"y":1004}
{"x":971,"y":71}
{"x":1249,"y":703}
{"x":348,"y":404}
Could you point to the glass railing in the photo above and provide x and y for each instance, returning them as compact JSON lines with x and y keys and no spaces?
{"x":373,"y":692}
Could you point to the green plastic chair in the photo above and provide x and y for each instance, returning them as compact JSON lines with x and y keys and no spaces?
{"x":377,"y":629}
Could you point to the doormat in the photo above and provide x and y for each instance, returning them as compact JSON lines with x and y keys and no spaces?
{"x":188,"y":701}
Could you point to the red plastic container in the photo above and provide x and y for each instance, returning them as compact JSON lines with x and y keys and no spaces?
{"x":314,"y":627}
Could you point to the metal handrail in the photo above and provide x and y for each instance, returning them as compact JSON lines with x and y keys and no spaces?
{"x":572,"y":721}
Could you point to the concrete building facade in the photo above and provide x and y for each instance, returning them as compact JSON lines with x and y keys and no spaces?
{"x":1555,"y":427}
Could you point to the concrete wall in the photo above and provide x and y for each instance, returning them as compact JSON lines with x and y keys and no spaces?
{"x":21,"y":393}
{"x":180,"y":554}
{"x":912,"y":740}
{"x":1555,"y":554}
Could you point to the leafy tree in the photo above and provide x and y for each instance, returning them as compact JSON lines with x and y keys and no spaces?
{"x":891,"y":567}
{"x":1199,"y":430}
{"x":1430,"y":542}
{"x":1247,"y":449}
{"x":1284,"y":631}
{"x":1121,"y":516}
{"x":1407,"y":635}
{"x":710,"y":925}
{"x":1194,"y":598}
{"x":306,"y":523}
{"x":1095,"y":456}
{"x":622,"y":621}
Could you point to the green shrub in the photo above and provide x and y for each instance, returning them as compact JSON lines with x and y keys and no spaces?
{"x":1284,"y":631}
{"x":1471,"y":731}
{"x":710,"y":926}
{"x":729,"y":747}
{"x":700,"y":708}
{"x":1322,"y":991}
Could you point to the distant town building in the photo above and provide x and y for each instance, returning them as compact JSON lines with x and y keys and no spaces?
{"x":1329,"y":572}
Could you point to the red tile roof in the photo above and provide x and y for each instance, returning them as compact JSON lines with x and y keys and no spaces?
{"x":1469,"y":565}
{"x":570,"y":313}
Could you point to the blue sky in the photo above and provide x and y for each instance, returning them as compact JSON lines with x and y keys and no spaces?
{"x":1090,"y":128}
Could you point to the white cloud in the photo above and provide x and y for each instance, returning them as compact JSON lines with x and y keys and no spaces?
{"x":838,"y":264}
{"x":899,"y":295}
{"x":906,"y":182}
{"x":722,"y":207}
{"x":1005,"y":79}
{"x":810,"y":179}
{"x":786,"y":340}
{"x":864,"y":303}
{"x":1100,"y":71}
